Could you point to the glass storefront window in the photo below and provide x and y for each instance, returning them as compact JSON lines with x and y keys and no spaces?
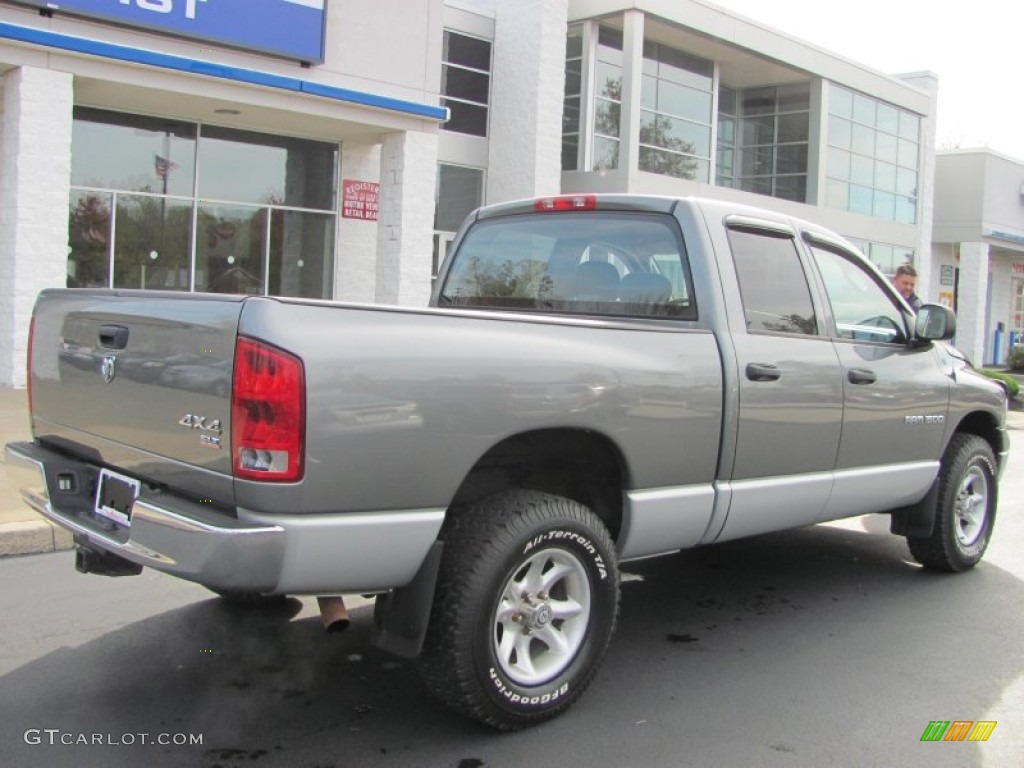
{"x":774,"y":129}
{"x":606,"y":117}
{"x":244,"y":167}
{"x":675,"y":128}
{"x":132,"y":153}
{"x":301,"y":253}
{"x":263,"y":206}
{"x":840,"y":132}
{"x":606,"y":154}
{"x":466,"y":83}
{"x":607,"y":99}
{"x":230,"y":248}
{"x":725,"y":166}
{"x":152,"y":242}
{"x":89,"y":240}
{"x":673,"y":164}
{"x":571,"y":108}
{"x":459,"y":191}
{"x":884,"y":143}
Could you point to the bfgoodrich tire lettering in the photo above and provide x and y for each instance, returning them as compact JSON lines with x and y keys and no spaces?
{"x":966,"y":508}
{"x":525,"y":606}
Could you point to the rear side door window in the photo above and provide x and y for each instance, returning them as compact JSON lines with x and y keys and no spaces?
{"x":773,"y":285}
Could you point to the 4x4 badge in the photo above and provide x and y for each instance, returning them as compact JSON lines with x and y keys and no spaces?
{"x":107,"y":369}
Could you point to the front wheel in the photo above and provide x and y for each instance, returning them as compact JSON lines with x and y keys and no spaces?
{"x":525,"y":607}
{"x":966,"y":508}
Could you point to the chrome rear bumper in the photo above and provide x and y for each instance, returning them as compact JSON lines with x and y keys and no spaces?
{"x":167,"y":533}
{"x":291,"y":553}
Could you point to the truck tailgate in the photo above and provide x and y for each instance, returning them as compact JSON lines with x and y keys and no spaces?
{"x":138,"y":381}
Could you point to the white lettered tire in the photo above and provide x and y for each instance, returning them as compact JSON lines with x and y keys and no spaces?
{"x":966,"y":508}
{"x":526,"y":603}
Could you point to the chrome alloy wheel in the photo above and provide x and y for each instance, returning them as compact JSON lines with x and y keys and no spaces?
{"x":971,"y":506}
{"x":542,"y":616}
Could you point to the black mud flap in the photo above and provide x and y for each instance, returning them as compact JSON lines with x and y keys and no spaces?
{"x":401,"y":616}
{"x":918,"y":520}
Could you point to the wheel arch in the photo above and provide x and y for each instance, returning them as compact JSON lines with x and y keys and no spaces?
{"x":578,"y":464}
{"x":918,"y":520}
{"x":986,"y":426}
{"x":582,"y":465}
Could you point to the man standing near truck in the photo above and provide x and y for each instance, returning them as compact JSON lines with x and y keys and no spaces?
{"x":904,"y":281}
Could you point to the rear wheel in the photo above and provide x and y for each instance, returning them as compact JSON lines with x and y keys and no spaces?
{"x":525,"y":606}
{"x":966,"y":508}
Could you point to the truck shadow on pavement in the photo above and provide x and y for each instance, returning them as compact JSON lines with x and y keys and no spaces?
{"x":785,"y":649}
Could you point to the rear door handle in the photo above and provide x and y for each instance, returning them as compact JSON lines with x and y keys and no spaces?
{"x":763,"y":372}
{"x":861,"y":376}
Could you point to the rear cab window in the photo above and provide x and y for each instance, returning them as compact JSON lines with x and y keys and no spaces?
{"x":624,"y":264}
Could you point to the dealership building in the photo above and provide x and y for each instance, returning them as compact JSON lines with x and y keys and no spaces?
{"x":191,"y":145}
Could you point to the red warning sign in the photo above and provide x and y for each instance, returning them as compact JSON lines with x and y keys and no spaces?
{"x":359,"y":199}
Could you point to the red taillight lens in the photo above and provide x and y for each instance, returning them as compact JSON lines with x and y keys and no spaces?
{"x":565,"y":203}
{"x":268,"y":413}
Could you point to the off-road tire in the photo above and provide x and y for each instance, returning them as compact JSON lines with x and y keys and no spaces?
{"x":526,"y":604}
{"x":966,"y":508}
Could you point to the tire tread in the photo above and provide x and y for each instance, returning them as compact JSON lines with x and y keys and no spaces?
{"x":938,"y":551}
{"x":473,"y":539}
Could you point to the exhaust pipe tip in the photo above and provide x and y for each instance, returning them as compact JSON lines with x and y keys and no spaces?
{"x":333,"y":613}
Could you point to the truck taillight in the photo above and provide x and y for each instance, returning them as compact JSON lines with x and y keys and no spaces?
{"x":565,"y":203}
{"x":268,"y":413}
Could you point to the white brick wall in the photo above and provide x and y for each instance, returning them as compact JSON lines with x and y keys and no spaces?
{"x":971,"y":301}
{"x":355,"y":274}
{"x":408,"y":174}
{"x":527,"y":83}
{"x":35,"y":171}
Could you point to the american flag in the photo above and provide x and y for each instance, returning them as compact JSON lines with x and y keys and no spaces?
{"x":163,"y":166}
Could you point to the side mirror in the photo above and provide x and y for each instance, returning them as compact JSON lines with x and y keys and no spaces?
{"x":935,"y":323}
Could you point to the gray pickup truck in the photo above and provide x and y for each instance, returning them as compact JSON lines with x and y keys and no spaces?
{"x":598,"y":379}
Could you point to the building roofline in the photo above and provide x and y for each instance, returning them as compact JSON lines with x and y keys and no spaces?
{"x":131,"y":55}
{"x":979,"y":151}
{"x":748,"y":34}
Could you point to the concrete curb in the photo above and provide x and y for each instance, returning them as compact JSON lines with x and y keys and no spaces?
{"x":22,"y":531}
{"x":33,"y":537}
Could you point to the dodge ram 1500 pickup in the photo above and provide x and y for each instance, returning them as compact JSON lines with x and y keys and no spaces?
{"x":597,"y":379}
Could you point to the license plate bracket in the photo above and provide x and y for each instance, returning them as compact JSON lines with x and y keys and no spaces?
{"x":115,"y":497}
